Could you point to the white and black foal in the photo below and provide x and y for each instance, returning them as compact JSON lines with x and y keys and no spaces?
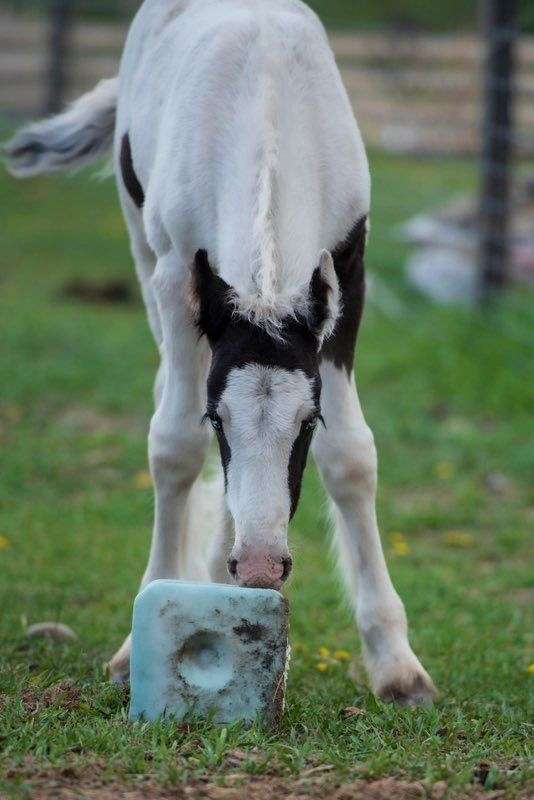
{"x":245,"y":186}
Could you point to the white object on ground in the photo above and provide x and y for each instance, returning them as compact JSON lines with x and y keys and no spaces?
{"x":51,"y":630}
{"x":447,"y":275}
{"x":209,"y":650}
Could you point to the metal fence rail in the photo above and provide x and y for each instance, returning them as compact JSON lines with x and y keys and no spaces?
{"x":413,"y":93}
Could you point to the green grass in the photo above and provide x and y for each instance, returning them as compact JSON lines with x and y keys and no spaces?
{"x":448,"y":393}
{"x":453,"y":15}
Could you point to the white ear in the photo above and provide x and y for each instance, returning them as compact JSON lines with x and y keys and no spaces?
{"x":333,"y":300}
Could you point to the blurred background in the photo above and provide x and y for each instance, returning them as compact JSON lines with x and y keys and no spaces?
{"x":453,"y":81}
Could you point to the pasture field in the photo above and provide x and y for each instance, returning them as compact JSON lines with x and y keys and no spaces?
{"x":365,"y":14}
{"x":448,"y":393}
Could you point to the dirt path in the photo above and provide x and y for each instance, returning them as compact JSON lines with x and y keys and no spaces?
{"x":70,"y":784}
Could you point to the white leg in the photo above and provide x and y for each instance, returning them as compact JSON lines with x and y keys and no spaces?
{"x":346,"y":456}
{"x":145,"y":265}
{"x":144,"y":257}
{"x":177,"y":442}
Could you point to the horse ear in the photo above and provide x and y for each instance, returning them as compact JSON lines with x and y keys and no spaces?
{"x":211,"y":299}
{"x":324,"y":298}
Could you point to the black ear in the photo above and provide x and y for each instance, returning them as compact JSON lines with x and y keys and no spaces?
{"x":323,"y":298}
{"x":212,"y":298}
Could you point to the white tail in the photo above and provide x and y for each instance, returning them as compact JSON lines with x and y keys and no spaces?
{"x":79,"y":136}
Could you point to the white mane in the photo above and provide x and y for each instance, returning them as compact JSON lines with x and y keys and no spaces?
{"x":266,"y":262}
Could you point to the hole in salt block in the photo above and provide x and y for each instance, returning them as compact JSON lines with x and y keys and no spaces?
{"x":207,"y":661}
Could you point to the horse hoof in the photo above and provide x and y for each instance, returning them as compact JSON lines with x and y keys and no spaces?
{"x":412,"y":691}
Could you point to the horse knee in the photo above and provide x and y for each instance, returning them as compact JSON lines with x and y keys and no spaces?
{"x":349,"y":464}
{"x":159,"y":385}
{"x":176,"y":456}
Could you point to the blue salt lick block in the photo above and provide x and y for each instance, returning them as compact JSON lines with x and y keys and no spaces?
{"x":208,"y":650}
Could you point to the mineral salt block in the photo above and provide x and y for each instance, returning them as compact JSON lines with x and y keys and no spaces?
{"x":208,"y":650}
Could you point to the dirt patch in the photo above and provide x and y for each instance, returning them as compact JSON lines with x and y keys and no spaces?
{"x":71,"y":783}
{"x":524,"y":597}
{"x":62,"y":695}
{"x":385,"y":789}
{"x":105,"y":293}
{"x":86,"y":420}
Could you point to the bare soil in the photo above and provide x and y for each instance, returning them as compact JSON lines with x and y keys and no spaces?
{"x":62,"y":695}
{"x":72,"y":784}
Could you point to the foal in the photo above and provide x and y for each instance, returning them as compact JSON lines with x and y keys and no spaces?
{"x":245,"y":187}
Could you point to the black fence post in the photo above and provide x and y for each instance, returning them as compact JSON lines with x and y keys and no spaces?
{"x":60,"y":23}
{"x":499,"y":30}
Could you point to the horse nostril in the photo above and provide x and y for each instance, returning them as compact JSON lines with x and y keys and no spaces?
{"x":232,"y":567}
{"x":287,"y":563}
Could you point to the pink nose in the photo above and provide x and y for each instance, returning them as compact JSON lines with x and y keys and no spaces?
{"x":261,"y":571}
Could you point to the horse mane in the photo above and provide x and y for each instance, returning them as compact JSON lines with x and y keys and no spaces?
{"x":267,"y":265}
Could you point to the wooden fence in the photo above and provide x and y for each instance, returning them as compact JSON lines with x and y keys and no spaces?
{"x":412,"y":93}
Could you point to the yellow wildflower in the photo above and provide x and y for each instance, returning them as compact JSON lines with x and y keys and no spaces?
{"x":530,"y":669}
{"x":143,"y":480}
{"x":321,"y":666}
{"x":401,"y":548}
{"x":4,"y":543}
{"x":342,"y":655}
{"x":323,"y":652}
{"x":444,"y":470}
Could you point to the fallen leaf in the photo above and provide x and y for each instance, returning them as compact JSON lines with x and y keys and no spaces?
{"x":235,"y":758}
{"x":352,"y":711}
{"x":317,"y":770}
{"x":439,"y":790}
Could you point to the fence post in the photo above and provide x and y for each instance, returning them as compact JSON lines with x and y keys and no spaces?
{"x":499,"y":30}
{"x":60,"y":12}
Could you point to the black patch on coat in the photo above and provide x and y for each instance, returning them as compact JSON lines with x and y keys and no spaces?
{"x":349,"y":264}
{"x":131,"y":181}
{"x":226,"y":454}
{"x":318,"y":298}
{"x":214,"y":297}
{"x":297,"y":464}
{"x":237,"y":342}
